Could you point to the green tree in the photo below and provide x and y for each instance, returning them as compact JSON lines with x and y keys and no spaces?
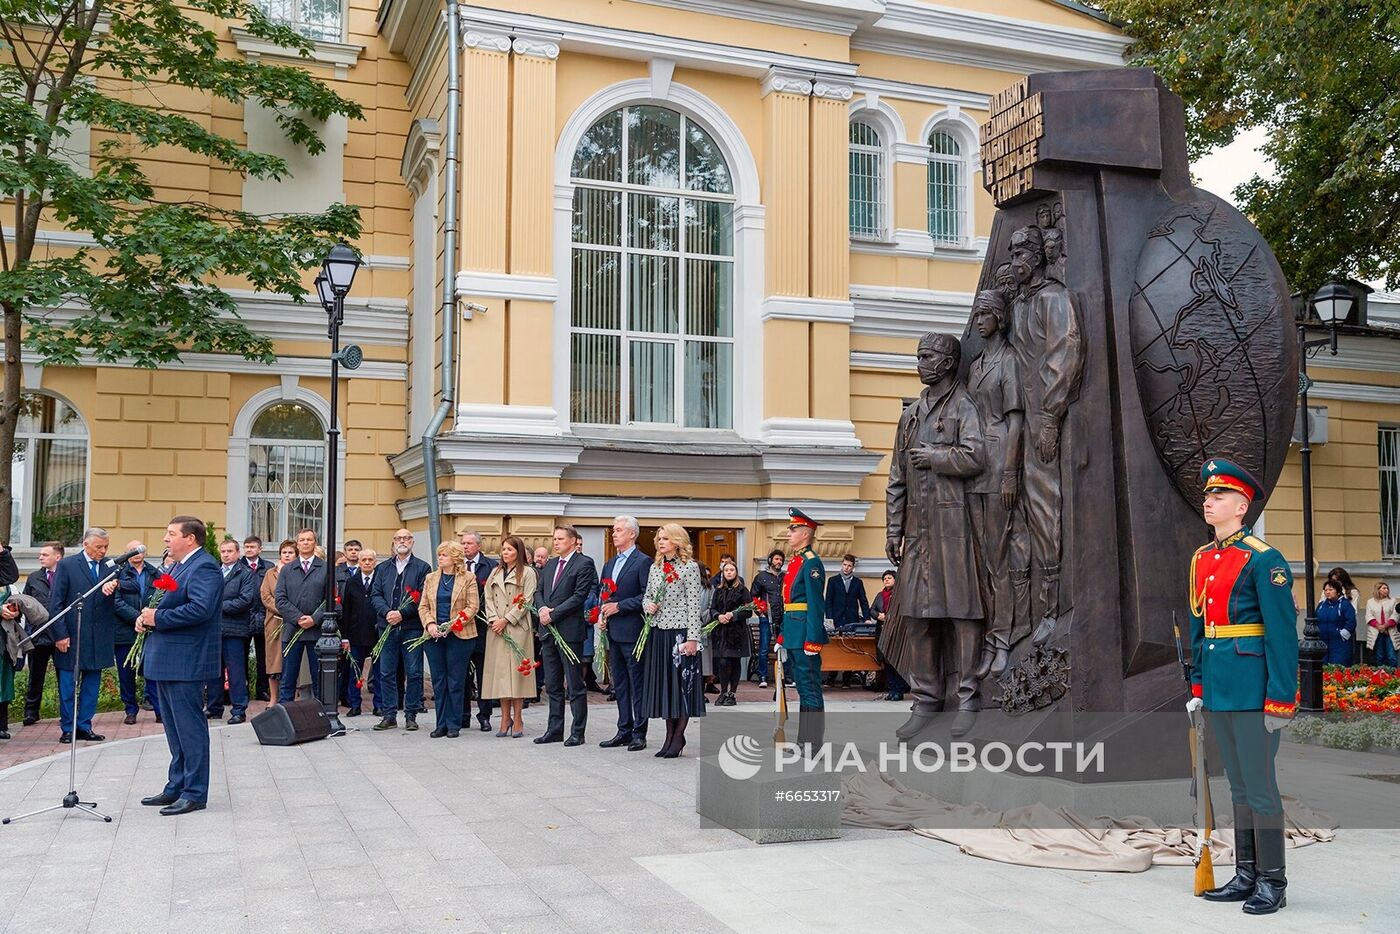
{"x":1324,"y":80}
{"x":148,"y":289}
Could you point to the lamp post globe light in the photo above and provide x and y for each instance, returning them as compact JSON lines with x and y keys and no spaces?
{"x":1332,"y":303}
{"x":332,"y":285}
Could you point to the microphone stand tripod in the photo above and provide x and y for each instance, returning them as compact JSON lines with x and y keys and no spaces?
{"x":70,"y":801}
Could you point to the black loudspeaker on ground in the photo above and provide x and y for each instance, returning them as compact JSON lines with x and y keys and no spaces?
{"x":292,"y":723}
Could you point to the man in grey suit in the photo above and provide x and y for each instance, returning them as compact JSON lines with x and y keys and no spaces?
{"x":301,"y":601}
{"x":565,"y":584}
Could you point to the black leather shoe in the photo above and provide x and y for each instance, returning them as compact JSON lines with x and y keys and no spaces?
{"x":88,"y":736}
{"x":388,"y":723}
{"x":1241,"y":885}
{"x":377,"y":712}
{"x":541,"y":740}
{"x":1272,"y":880}
{"x":453,"y":734}
{"x":410,"y":725}
{"x":147,"y":705}
{"x":636,"y":746}
{"x":485,"y":725}
{"x":160,"y":800}
{"x":30,"y":721}
{"x":213,"y":715}
{"x":158,"y":719}
{"x":618,"y":740}
{"x":239,"y":718}
{"x":65,"y":738}
{"x":129,"y":719}
{"x":574,"y":741}
{"x":183,"y":806}
{"x":353,"y":712}
{"x":439,"y":733}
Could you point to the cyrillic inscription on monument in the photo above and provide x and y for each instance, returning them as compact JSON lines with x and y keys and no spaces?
{"x":1011,"y":142}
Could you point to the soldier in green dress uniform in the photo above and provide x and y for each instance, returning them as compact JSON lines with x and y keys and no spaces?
{"x":804,"y":623}
{"x":1244,"y":671}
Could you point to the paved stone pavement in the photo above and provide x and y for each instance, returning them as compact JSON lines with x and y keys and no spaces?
{"x":391,"y":832}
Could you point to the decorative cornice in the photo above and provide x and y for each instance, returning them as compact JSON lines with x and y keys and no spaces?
{"x":282,"y":366}
{"x":1356,"y":392}
{"x":593,"y":39}
{"x":574,"y":506}
{"x":882,"y":311}
{"x":342,"y":56}
{"x":920,"y":93}
{"x":420,"y":153}
{"x":832,"y":90}
{"x":508,"y":286}
{"x":536,"y":48}
{"x":840,"y":17}
{"x":785,"y":82}
{"x":913,"y":153}
{"x":485,"y":38}
{"x":910,"y":242}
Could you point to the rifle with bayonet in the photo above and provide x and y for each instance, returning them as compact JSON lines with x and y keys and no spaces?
{"x":1200,"y":779}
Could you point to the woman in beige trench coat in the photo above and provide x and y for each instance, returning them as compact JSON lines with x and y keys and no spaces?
{"x":503,"y":679}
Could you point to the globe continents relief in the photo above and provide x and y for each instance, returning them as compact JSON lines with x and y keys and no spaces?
{"x":1209,"y":318}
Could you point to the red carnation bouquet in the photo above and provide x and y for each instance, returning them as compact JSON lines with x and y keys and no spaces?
{"x":410,"y":598}
{"x":758,"y":607}
{"x":669,"y":576}
{"x":162,"y":585}
{"x":521,"y":603}
{"x":458,"y":625}
{"x":607,"y":589}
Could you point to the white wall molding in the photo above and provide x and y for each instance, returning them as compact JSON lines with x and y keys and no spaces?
{"x":546,"y":47}
{"x":832,"y":89}
{"x":310,"y":367}
{"x":419,"y":164}
{"x":790,"y":308}
{"x":610,"y":41}
{"x":662,"y":70}
{"x":539,"y":421}
{"x":809,"y":432}
{"x":508,"y":286}
{"x":605,"y":508}
{"x":964,"y":37}
{"x":911,"y":153}
{"x":840,"y":17}
{"x":883,"y":116}
{"x":784,"y":81}
{"x":882,"y":311}
{"x":341,"y":56}
{"x":488,"y":38}
{"x":920,"y":93}
{"x":911,"y":242}
{"x":883,"y":361}
{"x":1355,"y":392}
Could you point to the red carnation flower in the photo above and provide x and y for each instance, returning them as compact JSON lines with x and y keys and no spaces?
{"x":165,"y":582}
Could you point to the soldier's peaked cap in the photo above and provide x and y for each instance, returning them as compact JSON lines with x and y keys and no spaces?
{"x":1218,"y":473}
{"x":798,"y":517}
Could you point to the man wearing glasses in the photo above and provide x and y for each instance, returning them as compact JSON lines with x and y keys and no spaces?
{"x":394,"y":606}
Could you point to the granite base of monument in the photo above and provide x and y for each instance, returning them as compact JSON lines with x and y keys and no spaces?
{"x":771,"y":805}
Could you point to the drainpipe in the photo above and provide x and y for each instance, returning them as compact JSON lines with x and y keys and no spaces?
{"x":449,"y":280}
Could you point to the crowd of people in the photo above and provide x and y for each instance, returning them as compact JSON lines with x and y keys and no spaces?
{"x":495,"y":633}
{"x":1357,"y":634}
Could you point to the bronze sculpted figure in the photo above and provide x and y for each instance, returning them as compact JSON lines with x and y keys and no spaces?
{"x":994,"y":382}
{"x":939,"y":445}
{"x":1049,"y":351}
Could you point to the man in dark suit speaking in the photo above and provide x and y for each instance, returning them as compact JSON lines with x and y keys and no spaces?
{"x":565,"y":584}
{"x":182,"y":654}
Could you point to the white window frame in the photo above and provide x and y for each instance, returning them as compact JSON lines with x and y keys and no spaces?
{"x":884,"y":181}
{"x":959,"y":187}
{"x":1388,"y":441}
{"x":296,"y":21}
{"x":21,"y":532}
{"x":681,"y":337}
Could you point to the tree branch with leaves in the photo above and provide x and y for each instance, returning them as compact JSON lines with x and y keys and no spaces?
{"x":149,"y":287}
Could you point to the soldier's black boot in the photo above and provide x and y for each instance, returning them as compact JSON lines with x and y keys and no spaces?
{"x":1241,"y":886}
{"x":811,"y":731}
{"x":1269,"y":890}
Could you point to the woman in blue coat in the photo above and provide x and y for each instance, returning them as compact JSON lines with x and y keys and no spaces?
{"x":1336,"y":621}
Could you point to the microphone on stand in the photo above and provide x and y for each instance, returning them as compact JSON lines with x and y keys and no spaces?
{"x":124,"y":558}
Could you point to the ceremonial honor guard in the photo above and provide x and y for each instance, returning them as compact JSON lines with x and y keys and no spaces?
{"x":1244,"y":671}
{"x":804,"y":623}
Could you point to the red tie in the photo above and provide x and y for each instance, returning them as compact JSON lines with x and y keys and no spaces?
{"x":558,"y":573}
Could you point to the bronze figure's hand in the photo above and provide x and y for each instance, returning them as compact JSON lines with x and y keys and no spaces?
{"x":922,"y":458}
{"x":894,"y":549}
{"x":1008,"y":490}
{"x":1048,"y":445}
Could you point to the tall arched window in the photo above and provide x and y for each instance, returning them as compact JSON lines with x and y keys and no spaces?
{"x":652,"y":310}
{"x":48,"y":473}
{"x":286,"y":472}
{"x":867,"y":181}
{"x":947,"y":217}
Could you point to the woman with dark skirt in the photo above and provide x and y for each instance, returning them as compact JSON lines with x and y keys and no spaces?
{"x":672,"y":680}
{"x":449,"y":606}
{"x":729,"y":641}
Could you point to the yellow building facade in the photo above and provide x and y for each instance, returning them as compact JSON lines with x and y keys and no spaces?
{"x":697,"y":241}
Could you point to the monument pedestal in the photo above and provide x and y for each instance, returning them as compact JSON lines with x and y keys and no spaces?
{"x":771,"y":805}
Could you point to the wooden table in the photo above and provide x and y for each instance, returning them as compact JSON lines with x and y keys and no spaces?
{"x":850,"y":653}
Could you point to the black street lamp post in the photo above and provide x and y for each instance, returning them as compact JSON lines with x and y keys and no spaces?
{"x":332,"y":285}
{"x":1332,"y":303}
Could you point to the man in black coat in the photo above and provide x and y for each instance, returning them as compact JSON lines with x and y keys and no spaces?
{"x":240,"y":599}
{"x":565,"y":584}
{"x":252,"y":557}
{"x":621,"y":617}
{"x":358,"y":626}
{"x":845,"y":596}
{"x":481,"y":567}
{"x":395,"y":583}
{"x":80,"y":656}
{"x":301,"y":602}
{"x":38,"y":585}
